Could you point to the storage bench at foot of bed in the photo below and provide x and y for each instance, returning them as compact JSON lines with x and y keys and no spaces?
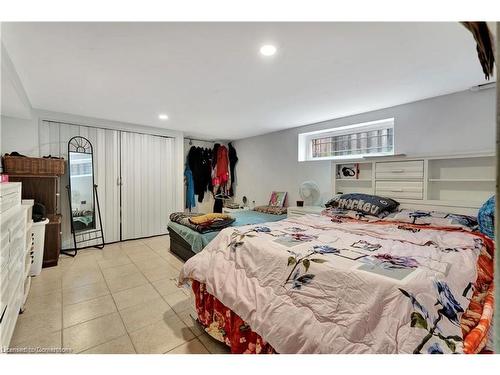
{"x":179,"y":246}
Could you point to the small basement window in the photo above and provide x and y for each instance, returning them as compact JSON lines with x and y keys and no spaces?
{"x":374,"y":138}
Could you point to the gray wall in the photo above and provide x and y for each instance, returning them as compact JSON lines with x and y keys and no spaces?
{"x":463,"y":122}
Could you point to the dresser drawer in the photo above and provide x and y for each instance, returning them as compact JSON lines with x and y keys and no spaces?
{"x":399,"y":170}
{"x":10,"y":195}
{"x":400,"y":189}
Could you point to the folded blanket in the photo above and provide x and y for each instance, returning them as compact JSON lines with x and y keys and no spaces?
{"x":215,"y":225}
{"x":271,"y":210}
{"x":208,"y":218}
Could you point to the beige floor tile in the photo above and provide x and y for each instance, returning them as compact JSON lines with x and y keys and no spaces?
{"x":152,"y":262}
{"x":187,"y":291}
{"x":214,"y":346}
{"x":191,"y":347}
{"x":120,"y":270}
{"x":50,"y":274}
{"x":146,"y":255}
{"x":140,"y":316}
{"x":88,"y":310}
{"x":121,"y":345}
{"x":121,"y":282}
{"x":88,"y":252}
{"x":37,"y":321}
{"x":158,"y":243}
{"x":136,"y":249}
{"x":164,"y":252}
{"x":80,"y":268}
{"x":92,"y":333}
{"x":189,"y":317}
{"x":166,"y":286}
{"x":42,"y":341}
{"x":131,"y":243}
{"x":40,"y":287}
{"x":174,"y":261}
{"x":113,"y":261}
{"x":135,"y":296}
{"x":81,"y":278}
{"x":111,"y":251}
{"x":160,"y":272}
{"x":162,"y":336}
{"x":85,"y":293}
{"x":179,"y":301}
{"x":65,"y":261}
{"x":84,"y":262}
{"x":43,"y":302}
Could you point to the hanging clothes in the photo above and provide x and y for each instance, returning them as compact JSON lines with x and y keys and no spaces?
{"x":222,"y":165}
{"x":207,"y":169}
{"x":197,"y":162}
{"x":233,"y":159}
{"x":218,"y":203}
{"x":190,"y":198}
{"x":214,"y":154}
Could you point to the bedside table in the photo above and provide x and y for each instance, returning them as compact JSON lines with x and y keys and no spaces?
{"x":299,"y":211}
{"x":226,"y":210}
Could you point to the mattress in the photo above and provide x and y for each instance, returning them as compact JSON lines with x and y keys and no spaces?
{"x":199,"y":240}
{"x":318,"y":284}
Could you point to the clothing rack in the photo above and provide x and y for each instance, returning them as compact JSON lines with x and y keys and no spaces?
{"x":198,"y":140}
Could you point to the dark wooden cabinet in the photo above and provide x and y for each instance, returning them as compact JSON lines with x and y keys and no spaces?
{"x":45,"y":190}
{"x":52,"y":245}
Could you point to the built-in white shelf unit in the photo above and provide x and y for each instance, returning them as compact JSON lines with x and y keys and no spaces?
{"x":456,"y":180}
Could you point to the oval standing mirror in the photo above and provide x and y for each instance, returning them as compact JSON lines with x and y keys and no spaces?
{"x":82,"y":192}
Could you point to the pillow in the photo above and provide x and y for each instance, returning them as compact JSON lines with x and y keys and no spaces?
{"x":434,"y":218}
{"x":271,"y":210}
{"x":486,"y":218}
{"x":339,"y":214}
{"x":365,"y":203}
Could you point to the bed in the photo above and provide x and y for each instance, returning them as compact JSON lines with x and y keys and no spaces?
{"x":186,"y":242}
{"x":323,"y":284}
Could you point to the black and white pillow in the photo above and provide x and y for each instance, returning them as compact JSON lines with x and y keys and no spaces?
{"x":365,"y":203}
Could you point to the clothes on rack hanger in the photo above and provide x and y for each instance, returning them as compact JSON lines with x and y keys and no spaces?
{"x":199,"y":161}
{"x":210,"y":170}
{"x":233,"y":159}
{"x":190,"y":198}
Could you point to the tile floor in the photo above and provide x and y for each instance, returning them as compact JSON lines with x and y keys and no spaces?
{"x":122,"y":299}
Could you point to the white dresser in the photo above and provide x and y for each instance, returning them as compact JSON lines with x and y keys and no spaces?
{"x":15,"y":256}
{"x":299,"y":211}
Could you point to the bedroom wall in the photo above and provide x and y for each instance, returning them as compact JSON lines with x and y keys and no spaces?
{"x":462,"y":122}
{"x":19,"y":135}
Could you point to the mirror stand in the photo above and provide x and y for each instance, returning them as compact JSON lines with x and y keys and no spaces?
{"x":81,"y":237}
{"x":83,"y":197}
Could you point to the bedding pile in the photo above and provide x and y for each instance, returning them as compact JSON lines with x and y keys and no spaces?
{"x":347,"y":283}
{"x":202,"y":223}
{"x":272,"y":210}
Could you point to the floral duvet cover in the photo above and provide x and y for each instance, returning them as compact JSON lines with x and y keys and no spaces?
{"x":313,"y":285}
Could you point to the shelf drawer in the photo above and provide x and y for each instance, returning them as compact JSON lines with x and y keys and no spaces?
{"x":399,"y":170}
{"x":10,"y":196}
{"x":400,"y":189}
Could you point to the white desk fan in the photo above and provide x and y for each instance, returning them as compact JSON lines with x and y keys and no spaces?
{"x":309,"y":192}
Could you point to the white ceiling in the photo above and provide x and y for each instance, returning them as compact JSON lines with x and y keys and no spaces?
{"x":212,"y":82}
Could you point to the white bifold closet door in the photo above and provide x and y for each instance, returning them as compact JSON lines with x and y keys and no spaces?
{"x":53,"y":140}
{"x":147,"y":184}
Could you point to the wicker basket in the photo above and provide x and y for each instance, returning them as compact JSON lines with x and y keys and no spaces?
{"x":18,"y":165}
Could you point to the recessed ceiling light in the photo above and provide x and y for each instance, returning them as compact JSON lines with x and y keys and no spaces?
{"x":268,"y":50}
{"x":163,"y":116}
